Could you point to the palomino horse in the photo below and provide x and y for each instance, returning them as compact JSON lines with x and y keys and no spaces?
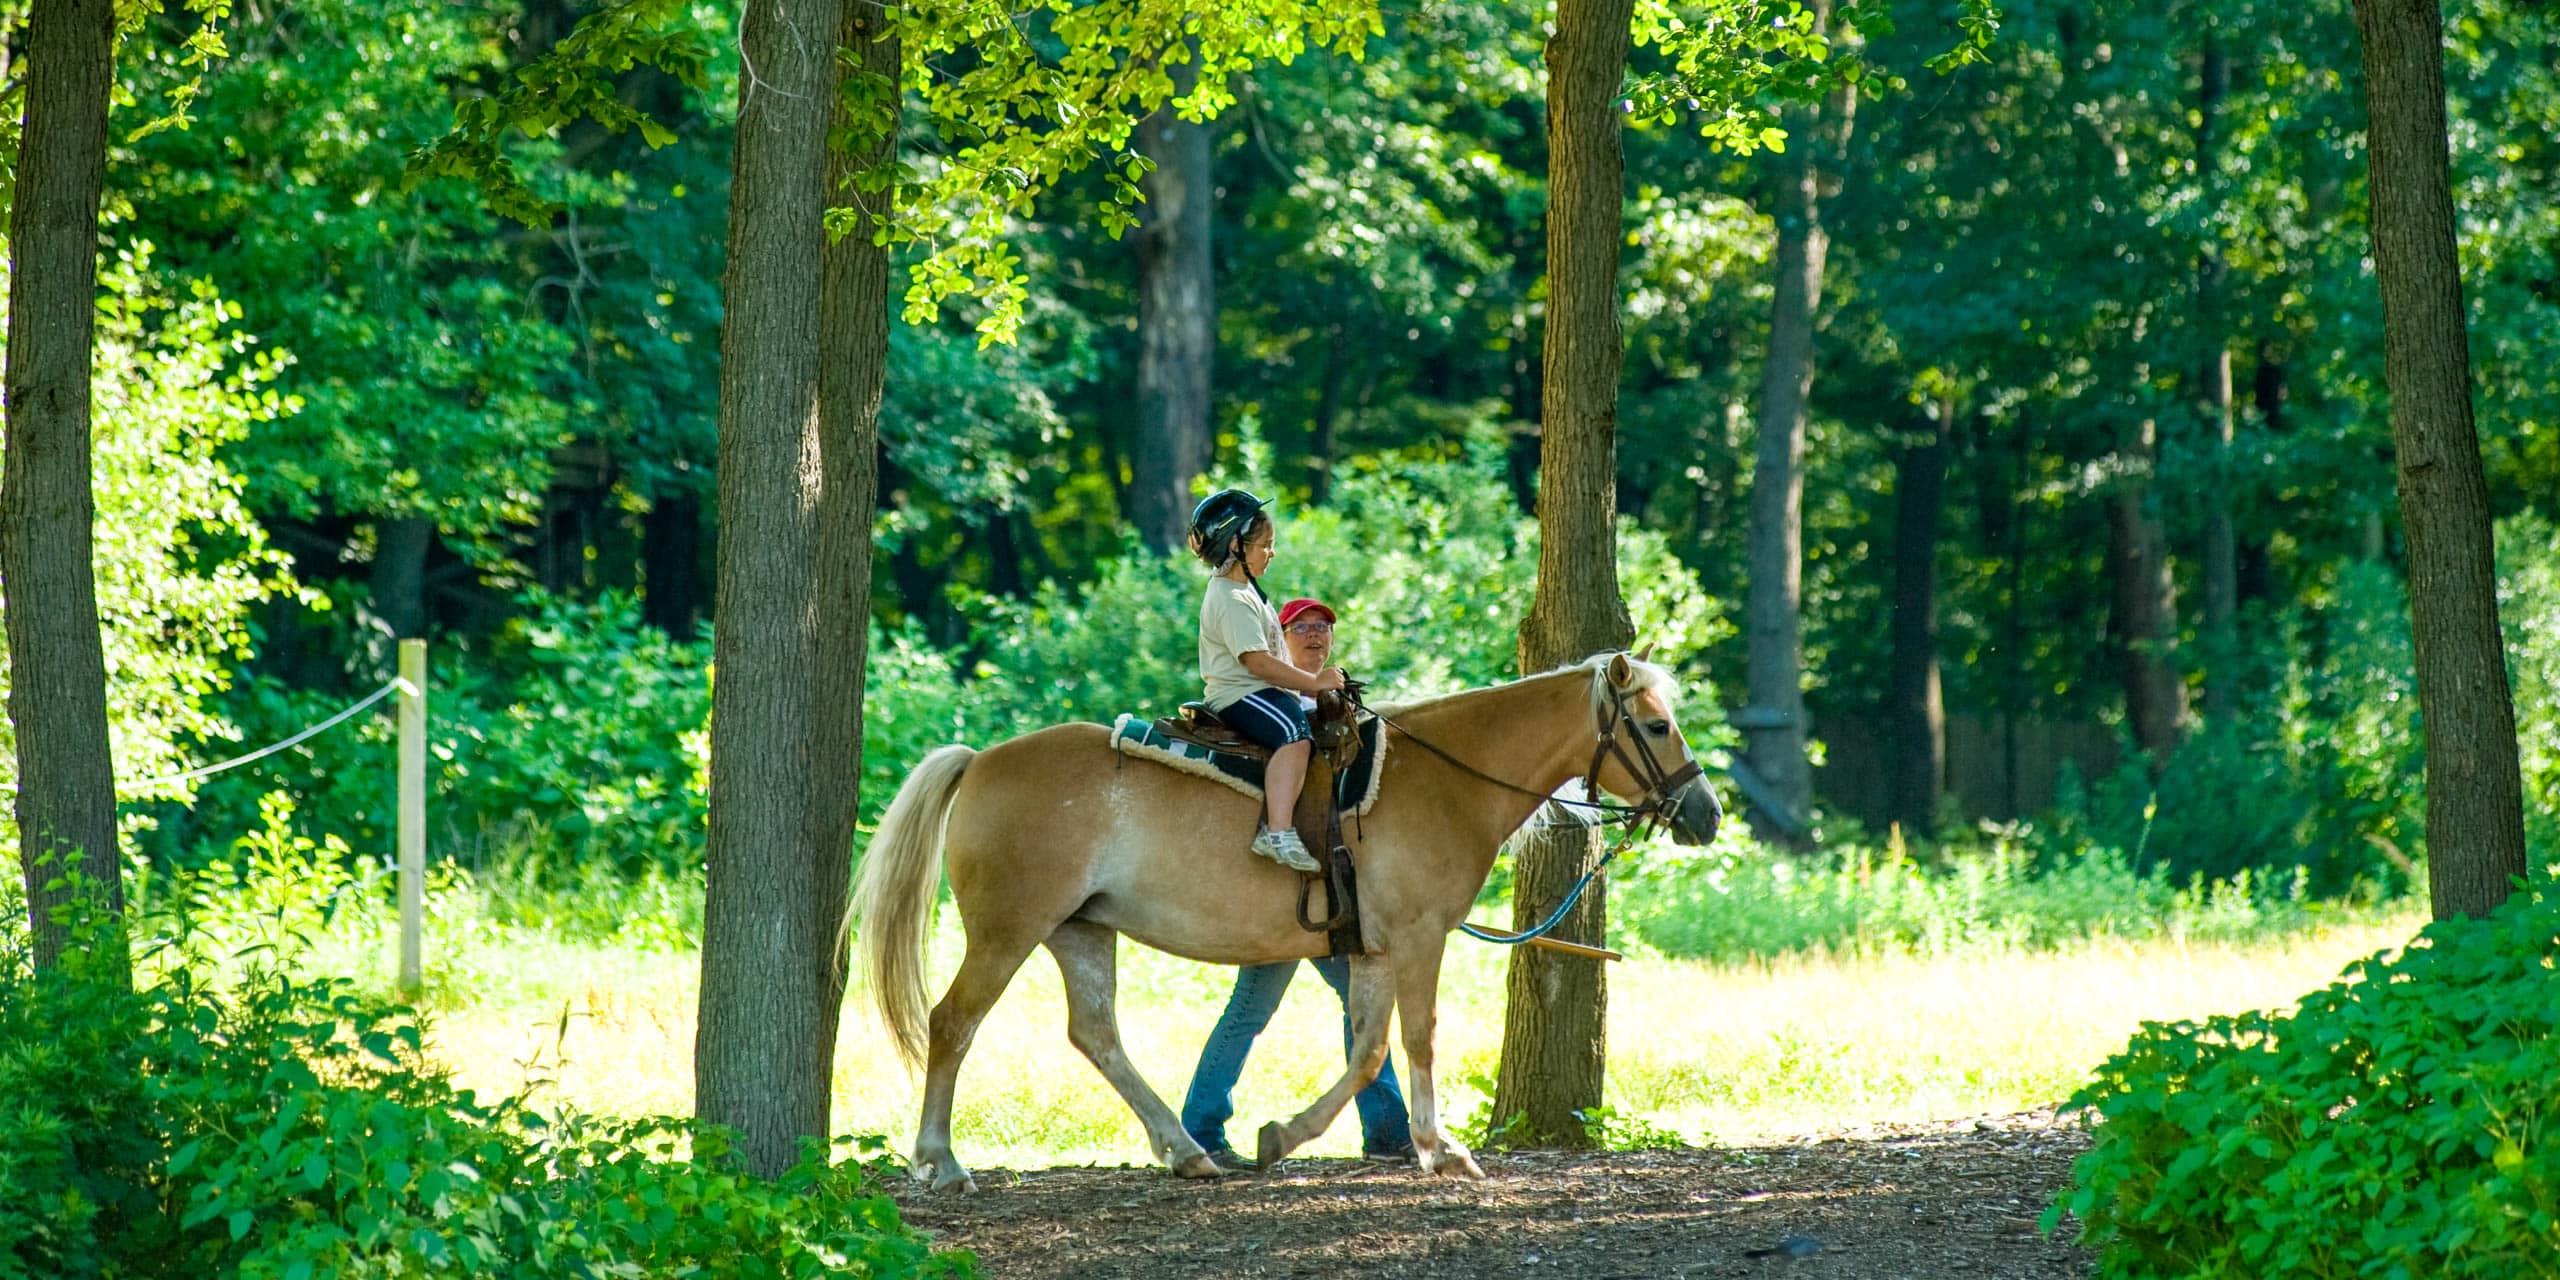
{"x":1052,"y":838}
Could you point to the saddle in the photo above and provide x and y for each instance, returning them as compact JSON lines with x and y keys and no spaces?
{"x":1335,"y":726}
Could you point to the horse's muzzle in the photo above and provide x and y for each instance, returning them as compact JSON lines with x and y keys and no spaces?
{"x":1699,"y":814}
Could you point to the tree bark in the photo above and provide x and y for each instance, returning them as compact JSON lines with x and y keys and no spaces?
{"x":1774,"y":727}
{"x":1917,"y":763}
{"x":757,"y":1062}
{"x":2146,"y":600}
{"x":400,"y":548}
{"x":853,"y":367}
{"x":2475,"y":797}
{"x":66,"y":799}
{"x":1177,"y":320}
{"x":2221,"y":549}
{"x":1553,"y":1050}
{"x":1337,"y":355}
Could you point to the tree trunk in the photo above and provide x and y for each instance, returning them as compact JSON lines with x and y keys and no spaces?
{"x":1553,"y":1050}
{"x":853,"y":331}
{"x":671,"y":564}
{"x":1917,"y":762}
{"x":2475,"y":798}
{"x":2221,"y":552}
{"x":1774,"y":724}
{"x":757,"y":1065}
{"x":400,"y":548}
{"x":1177,"y":320}
{"x":2146,"y":601}
{"x":66,"y":794}
{"x":1337,"y":354}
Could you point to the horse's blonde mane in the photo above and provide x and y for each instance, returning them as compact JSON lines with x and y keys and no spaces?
{"x":1648,"y":677}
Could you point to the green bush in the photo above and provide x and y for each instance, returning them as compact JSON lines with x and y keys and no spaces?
{"x":284,"y":1127}
{"x":2329,"y":772}
{"x":2404,"y":1121}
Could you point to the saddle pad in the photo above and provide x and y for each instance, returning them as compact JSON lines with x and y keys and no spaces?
{"x":1354,"y":789}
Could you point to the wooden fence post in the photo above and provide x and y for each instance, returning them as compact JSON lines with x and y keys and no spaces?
{"x":413,"y":811}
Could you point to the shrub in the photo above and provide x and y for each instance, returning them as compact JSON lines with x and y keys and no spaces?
{"x":2403,"y":1121}
{"x":284,"y":1127}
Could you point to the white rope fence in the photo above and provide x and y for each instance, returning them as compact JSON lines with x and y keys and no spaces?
{"x":389,"y":687}
{"x":411,"y":685}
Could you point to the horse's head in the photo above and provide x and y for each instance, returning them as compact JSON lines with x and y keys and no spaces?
{"x":1640,"y":756}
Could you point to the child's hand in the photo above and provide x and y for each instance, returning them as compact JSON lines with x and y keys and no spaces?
{"x":1329,"y":679}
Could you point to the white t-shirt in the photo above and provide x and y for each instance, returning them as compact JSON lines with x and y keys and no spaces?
{"x":1234,"y":620}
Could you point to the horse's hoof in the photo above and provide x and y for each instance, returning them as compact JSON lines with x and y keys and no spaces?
{"x":1200,"y":1166}
{"x":1453,"y":1162}
{"x":955,"y":1178}
{"x":1268,"y":1147}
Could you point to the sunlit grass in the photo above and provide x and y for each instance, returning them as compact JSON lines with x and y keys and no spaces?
{"x":1714,"y":1052}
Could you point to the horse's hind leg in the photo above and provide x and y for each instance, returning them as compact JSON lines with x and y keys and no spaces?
{"x":984,"y":971}
{"x":1088,"y":961}
{"x":1371,"y":1003}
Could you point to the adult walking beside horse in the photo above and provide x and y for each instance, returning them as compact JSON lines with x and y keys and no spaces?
{"x":1054,"y":839}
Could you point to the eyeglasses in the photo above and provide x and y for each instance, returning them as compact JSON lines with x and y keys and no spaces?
{"x":1311,"y":628}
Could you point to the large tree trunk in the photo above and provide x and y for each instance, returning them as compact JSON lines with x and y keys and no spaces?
{"x":1177,"y":321}
{"x":66,"y":797}
{"x":2475,"y":797}
{"x":1553,"y":1051}
{"x":757,"y":1061}
{"x":400,"y":548}
{"x":854,"y":364}
{"x":2221,"y":553}
{"x":1774,"y":728}
{"x":2145,"y":619}
{"x":1917,"y":762}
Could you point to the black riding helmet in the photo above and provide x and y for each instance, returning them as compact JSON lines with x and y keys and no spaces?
{"x":1218,"y":528}
{"x":1220,"y":523}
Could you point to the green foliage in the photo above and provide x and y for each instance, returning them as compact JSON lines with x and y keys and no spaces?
{"x":2400,"y":1122}
{"x":576,"y":79}
{"x":282,"y":1127}
{"x":427,"y":388}
{"x":2330,"y":774}
{"x":1606,"y":1127}
{"x":1429,"y":566}
{"x":179,"y":558}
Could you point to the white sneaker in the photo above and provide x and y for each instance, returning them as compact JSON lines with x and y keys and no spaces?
{"x":1284,"y":847}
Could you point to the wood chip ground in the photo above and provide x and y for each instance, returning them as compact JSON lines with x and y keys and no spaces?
{"x":1955,"y":1199}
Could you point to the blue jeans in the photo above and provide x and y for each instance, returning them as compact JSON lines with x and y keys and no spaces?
{"x":1210,"y":1103}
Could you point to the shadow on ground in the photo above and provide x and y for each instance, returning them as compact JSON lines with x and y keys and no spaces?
{"x":1952,"y":1200}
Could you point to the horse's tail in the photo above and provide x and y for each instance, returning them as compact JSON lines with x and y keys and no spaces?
{"x":893,"y":893}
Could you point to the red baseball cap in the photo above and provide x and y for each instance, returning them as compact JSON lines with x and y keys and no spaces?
{"x":1289,"y":612}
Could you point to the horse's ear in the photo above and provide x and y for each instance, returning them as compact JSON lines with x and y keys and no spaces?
{"x":1619,"y":672}
{"x":1645,"y":654}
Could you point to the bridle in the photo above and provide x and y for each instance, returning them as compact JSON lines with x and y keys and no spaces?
{"x":1657,"y":805}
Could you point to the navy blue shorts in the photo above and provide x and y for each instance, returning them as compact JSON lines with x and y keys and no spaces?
{"x":1268,"y":718}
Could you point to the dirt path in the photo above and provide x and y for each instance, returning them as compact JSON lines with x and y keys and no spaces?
{"x":1952,"y":1200}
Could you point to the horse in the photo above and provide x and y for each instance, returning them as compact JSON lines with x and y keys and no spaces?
{"x":1053,"y":838}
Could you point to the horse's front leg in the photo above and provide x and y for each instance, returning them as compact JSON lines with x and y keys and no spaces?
{"x":1371,"y":1005}
{"x":1417,"y":976}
